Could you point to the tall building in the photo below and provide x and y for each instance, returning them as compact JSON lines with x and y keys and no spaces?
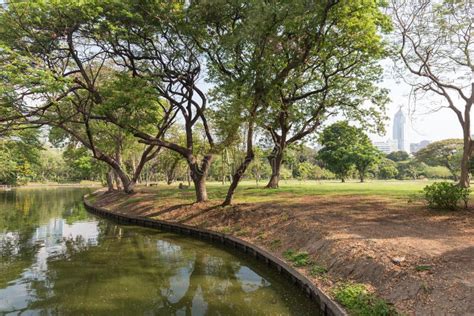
{"x":399,"y":129}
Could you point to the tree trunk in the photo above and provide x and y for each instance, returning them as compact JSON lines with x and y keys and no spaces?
{"x":200,"y":188}
{"x":465,"y":162}
{"x":223,"y":169}
{"x":362,"y":176}
{"x":199,"y":176}
{"x":110,"y":180}
{"x":242,"y":168}
{"x":127,"y":184}
{"x":275,"y":160}
{"x":343,"y":180}
{"x":118,"y":184}
{"x":237,"y":177}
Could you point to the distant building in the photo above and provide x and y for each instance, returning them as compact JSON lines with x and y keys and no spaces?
{"x":414,"y":147}
{"x":399,"y":129}
{"x":387,"y":146}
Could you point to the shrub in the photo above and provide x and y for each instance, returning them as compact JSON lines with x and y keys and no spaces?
{"x":445,"y":195}
{"x":359,"y":301}
{"x":299,"y":259}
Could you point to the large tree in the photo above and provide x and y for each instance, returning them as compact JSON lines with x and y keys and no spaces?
{"x":53,"y":74}
{"x":447,"y":153}
{"x":345,"y":147}
{"x":286,"y":65}
{"x":149,"y":43}
{"x":436,"y":48}
{"x":338,"y":77}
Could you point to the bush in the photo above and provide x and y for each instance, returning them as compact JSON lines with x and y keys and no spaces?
{"x":445,"y":195}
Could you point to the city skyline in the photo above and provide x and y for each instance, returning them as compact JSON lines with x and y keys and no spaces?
{"x":422,"y":123}
{"x":398,"y":141}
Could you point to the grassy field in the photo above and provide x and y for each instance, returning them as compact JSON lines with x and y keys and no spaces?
{"x":248,"y":191}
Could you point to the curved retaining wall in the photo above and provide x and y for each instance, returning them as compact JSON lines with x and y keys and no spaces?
{"x":328,"y":306}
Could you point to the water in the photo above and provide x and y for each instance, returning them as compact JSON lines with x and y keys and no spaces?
{"x":55,"y":258}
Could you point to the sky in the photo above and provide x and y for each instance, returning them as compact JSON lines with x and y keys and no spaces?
{"x":422,"y":124}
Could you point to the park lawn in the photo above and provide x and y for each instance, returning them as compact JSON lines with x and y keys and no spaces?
{"x":250,"y":192}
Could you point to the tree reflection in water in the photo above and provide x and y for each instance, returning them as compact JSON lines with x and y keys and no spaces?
{"x":56,"y":258}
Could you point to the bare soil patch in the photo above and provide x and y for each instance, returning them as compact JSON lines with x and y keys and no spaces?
{"x":420,"y":260}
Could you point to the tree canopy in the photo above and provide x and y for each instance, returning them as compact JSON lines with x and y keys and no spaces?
{"x":345,"y":147}
{"x":446,"y":153}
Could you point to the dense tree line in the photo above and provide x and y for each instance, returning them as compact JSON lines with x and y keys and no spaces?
{"x":346,"y":153}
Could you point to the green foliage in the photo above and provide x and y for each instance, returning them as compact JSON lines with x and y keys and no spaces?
{"x":423,"y":268}
{"x":317,"y":270}
{"x":445,"y":195}
{"x":437,"y":172}
{"x":81,"y":165}
{"x":359,"y":301}
{"x":270,"y":59}
{"x":387,"y":169}
{"x":446,"y":153}
{"x":19,"y":154}
{"x":131,"y":101}
{"x":410,"y":169}
{"x":346,"y":147}
{"x":299,"y":259}
{"x":285,"y":173}
{"x":398,"y":156}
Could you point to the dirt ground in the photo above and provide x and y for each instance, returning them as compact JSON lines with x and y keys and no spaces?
{"x":420,"y":260}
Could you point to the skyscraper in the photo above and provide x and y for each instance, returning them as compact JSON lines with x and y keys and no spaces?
{"x":399,"y":129}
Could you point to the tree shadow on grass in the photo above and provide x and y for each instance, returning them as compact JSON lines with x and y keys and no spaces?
{"x":196,"y":214}
{"x":168,"y":209}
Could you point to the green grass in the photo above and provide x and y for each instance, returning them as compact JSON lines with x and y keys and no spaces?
{"x":249,"y":192}
{"x":360,"y":302}
{"x":317,"y":270}
{"x":423,"y":268}
{"x":298,"y":259}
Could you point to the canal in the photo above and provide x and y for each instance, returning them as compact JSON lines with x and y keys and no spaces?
{"x":56,"y":258}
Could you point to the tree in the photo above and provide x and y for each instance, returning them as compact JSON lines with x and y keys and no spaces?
{"x":365,"y":155}
{"x":159,"y":54}
{"x":387,"y":169}
{"x":275,"y":68}
{"x":398,"y":156}
{"x":446,"y":153}
{"x":410,"y":169}
{"x":436,"y":51}
{"x":51,"y":167}
{"x":19,"y":153}
{"x":46,"y":56}
{"x":338,"y":77}
{"x":346,"y":147}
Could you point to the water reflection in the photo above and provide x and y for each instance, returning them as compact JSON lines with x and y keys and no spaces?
{"x":58,"y":259}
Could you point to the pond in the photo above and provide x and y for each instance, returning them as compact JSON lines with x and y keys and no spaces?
{"x":56,"y":258}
